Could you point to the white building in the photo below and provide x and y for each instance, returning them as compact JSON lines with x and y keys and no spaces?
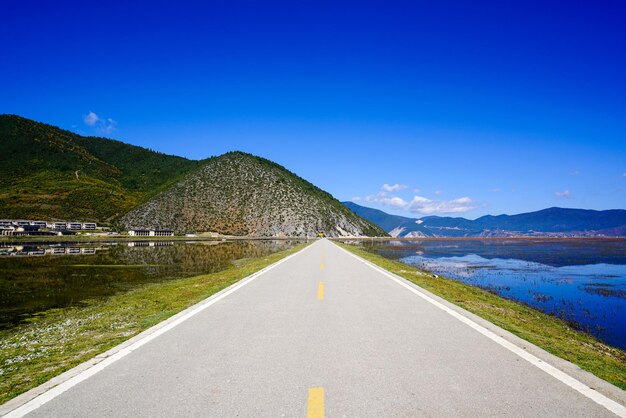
{"x":139,"y":233}
{"x":151,"y":233}
{"x":163,"y":233}
{"x":90,"y":226}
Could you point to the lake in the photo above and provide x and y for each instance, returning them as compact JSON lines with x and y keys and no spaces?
{"x":36,"y":277}
{"x":580,"y":281}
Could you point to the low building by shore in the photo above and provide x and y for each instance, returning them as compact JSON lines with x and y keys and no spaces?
{"x":73,"y":225}
{"x":151,"y":233}
{"x":24,"y":227}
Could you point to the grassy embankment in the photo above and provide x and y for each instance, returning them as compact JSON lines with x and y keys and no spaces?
{"x":548,"y":332}
{"x":61,"y":339}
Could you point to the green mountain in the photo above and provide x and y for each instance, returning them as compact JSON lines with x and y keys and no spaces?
{"x":48,"y":173}
{"x":241,"y":194}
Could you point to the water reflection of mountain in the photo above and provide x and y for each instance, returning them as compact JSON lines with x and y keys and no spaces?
{"x":196,"y":258}
{"x":31,"y":284}
{"x":556,"y":253}
{"x":582,"y":281}
{"x":591,"y":296}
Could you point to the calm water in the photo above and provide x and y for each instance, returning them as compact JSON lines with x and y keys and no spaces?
{"x":38,"y":277}
{"x":583,"y":282}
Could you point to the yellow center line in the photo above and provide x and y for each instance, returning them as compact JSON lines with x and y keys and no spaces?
{"x":320,"y":291}
{"x":322,"y":266}
{"x":315,"y":407}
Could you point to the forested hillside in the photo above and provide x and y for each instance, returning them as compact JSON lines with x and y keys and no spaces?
{"x":49,"y":173}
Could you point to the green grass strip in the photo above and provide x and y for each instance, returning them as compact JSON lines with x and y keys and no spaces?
{"x":60,"y":339}
{"x":114,"y":266}
{"x":548,"y":332}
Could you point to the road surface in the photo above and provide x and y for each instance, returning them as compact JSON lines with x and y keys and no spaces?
{"x":320,"y":333}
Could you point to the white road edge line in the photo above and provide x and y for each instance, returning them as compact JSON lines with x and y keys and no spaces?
{"x":52,"y":393}
{"x":617,"y":408}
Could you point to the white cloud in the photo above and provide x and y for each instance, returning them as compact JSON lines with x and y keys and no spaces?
{"x":420,"y":199}
{"x":418,"y":204}
{"x":394,"y":201}
{"x":109,"y":126}
{"x":496,"y":190}
{"x":564,"y":194}
{"x":356,"y":199}
{"x":624,"y":175}
{"x":91,"y":119}
{"x":574,"y":173}
{"x":393,"y":187}
{"x":426,"y":206}
{"x":101,"y":125}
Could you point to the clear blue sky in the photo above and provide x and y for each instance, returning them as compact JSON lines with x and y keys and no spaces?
{"x":484,"y":107}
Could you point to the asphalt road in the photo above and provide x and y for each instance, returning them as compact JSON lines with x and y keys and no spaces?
{"x":321,"y":333}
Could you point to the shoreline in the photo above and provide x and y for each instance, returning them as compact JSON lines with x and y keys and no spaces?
{"x":126,"y":238}
{"x":7,"y":239}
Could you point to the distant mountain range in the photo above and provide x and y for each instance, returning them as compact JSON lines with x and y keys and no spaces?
{"x":47,"y":173}
{"x":551,"y":222}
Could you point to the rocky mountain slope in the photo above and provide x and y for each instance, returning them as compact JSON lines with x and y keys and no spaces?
{"x":554,"y":222}
{"x":48,"y":173}
{"x":241,"y":194}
